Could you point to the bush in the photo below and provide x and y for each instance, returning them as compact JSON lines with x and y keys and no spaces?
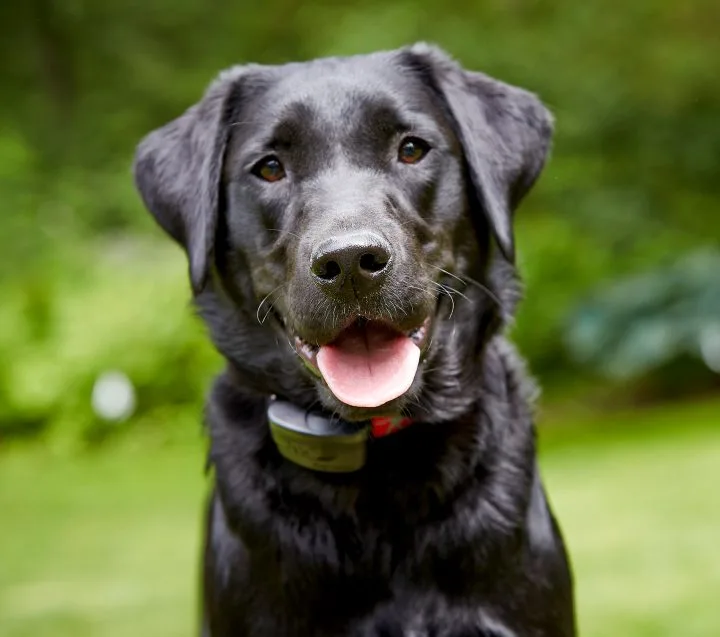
{"x":654,"y":321}
{"x":122,"y":305}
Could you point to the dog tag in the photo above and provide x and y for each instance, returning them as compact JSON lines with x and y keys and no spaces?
{"x":316,"y":442}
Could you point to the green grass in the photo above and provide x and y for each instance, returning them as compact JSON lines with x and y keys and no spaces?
{"x":104,"y":545}
{"x":107,"y":544}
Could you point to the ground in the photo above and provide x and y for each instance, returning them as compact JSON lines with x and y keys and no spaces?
{"x":106,"y":544}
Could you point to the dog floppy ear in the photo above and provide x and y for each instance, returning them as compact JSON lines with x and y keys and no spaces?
{"x":505,"y":133}
{"x":178,"y":170}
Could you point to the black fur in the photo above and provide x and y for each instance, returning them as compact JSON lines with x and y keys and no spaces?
{"x":446,"y":531}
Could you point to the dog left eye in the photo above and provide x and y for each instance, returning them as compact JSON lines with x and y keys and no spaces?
{"x":412,"y":150}
{"x":269,"y":168}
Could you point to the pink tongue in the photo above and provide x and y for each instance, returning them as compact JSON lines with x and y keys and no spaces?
{"x":369,"y":366}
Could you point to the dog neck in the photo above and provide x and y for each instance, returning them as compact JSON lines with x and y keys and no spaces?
{"x":323,"y":442}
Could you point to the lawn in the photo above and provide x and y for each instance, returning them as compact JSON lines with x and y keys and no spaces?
{"x":106,"y":545}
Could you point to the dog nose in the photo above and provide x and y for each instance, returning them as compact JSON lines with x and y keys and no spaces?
{"x":351,"y":264}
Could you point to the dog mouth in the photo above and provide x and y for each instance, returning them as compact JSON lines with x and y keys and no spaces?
{"x":369,"y":363}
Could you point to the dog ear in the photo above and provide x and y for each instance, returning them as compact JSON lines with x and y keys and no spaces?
{"x":178,"y":172}
{"x":505,"y":133}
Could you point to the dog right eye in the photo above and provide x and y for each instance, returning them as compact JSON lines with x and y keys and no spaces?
{"x":269,"y":168}
{"x":412,"y":150}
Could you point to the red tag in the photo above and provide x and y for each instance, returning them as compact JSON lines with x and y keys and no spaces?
{"x":385,"y":425}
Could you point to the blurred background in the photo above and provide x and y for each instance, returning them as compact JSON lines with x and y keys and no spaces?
{"x":103,"y":366}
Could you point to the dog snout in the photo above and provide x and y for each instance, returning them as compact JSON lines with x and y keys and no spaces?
{"x":352,"y":264}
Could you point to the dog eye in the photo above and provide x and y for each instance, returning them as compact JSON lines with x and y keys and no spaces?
{"x":269,"y":168}
{"x":412,"y":150}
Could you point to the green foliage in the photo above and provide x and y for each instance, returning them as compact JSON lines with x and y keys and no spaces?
{"x":126,"y":310}
{"x":650,"y":320}
{"x":632,"y":182}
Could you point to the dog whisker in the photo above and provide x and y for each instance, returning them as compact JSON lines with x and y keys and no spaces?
{"x":453,"y":290}
{"x":444,"y":290}
{"x":487,"y":291}
{"x":452,"y":303}
{"x":466,"y":279}
{"x":292,"y":346}
{"x":428,"y":293}
{"x":265,"y":298}
{"x":292,"y":234}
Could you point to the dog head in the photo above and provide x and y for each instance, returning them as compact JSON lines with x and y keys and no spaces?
{"x":348,"y":223}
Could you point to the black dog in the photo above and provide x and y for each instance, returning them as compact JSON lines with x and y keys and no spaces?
{"x":348,"y":224}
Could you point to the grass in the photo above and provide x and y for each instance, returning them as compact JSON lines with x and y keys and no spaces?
{"x":106,"y":544}
{"x":103,"y":545}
